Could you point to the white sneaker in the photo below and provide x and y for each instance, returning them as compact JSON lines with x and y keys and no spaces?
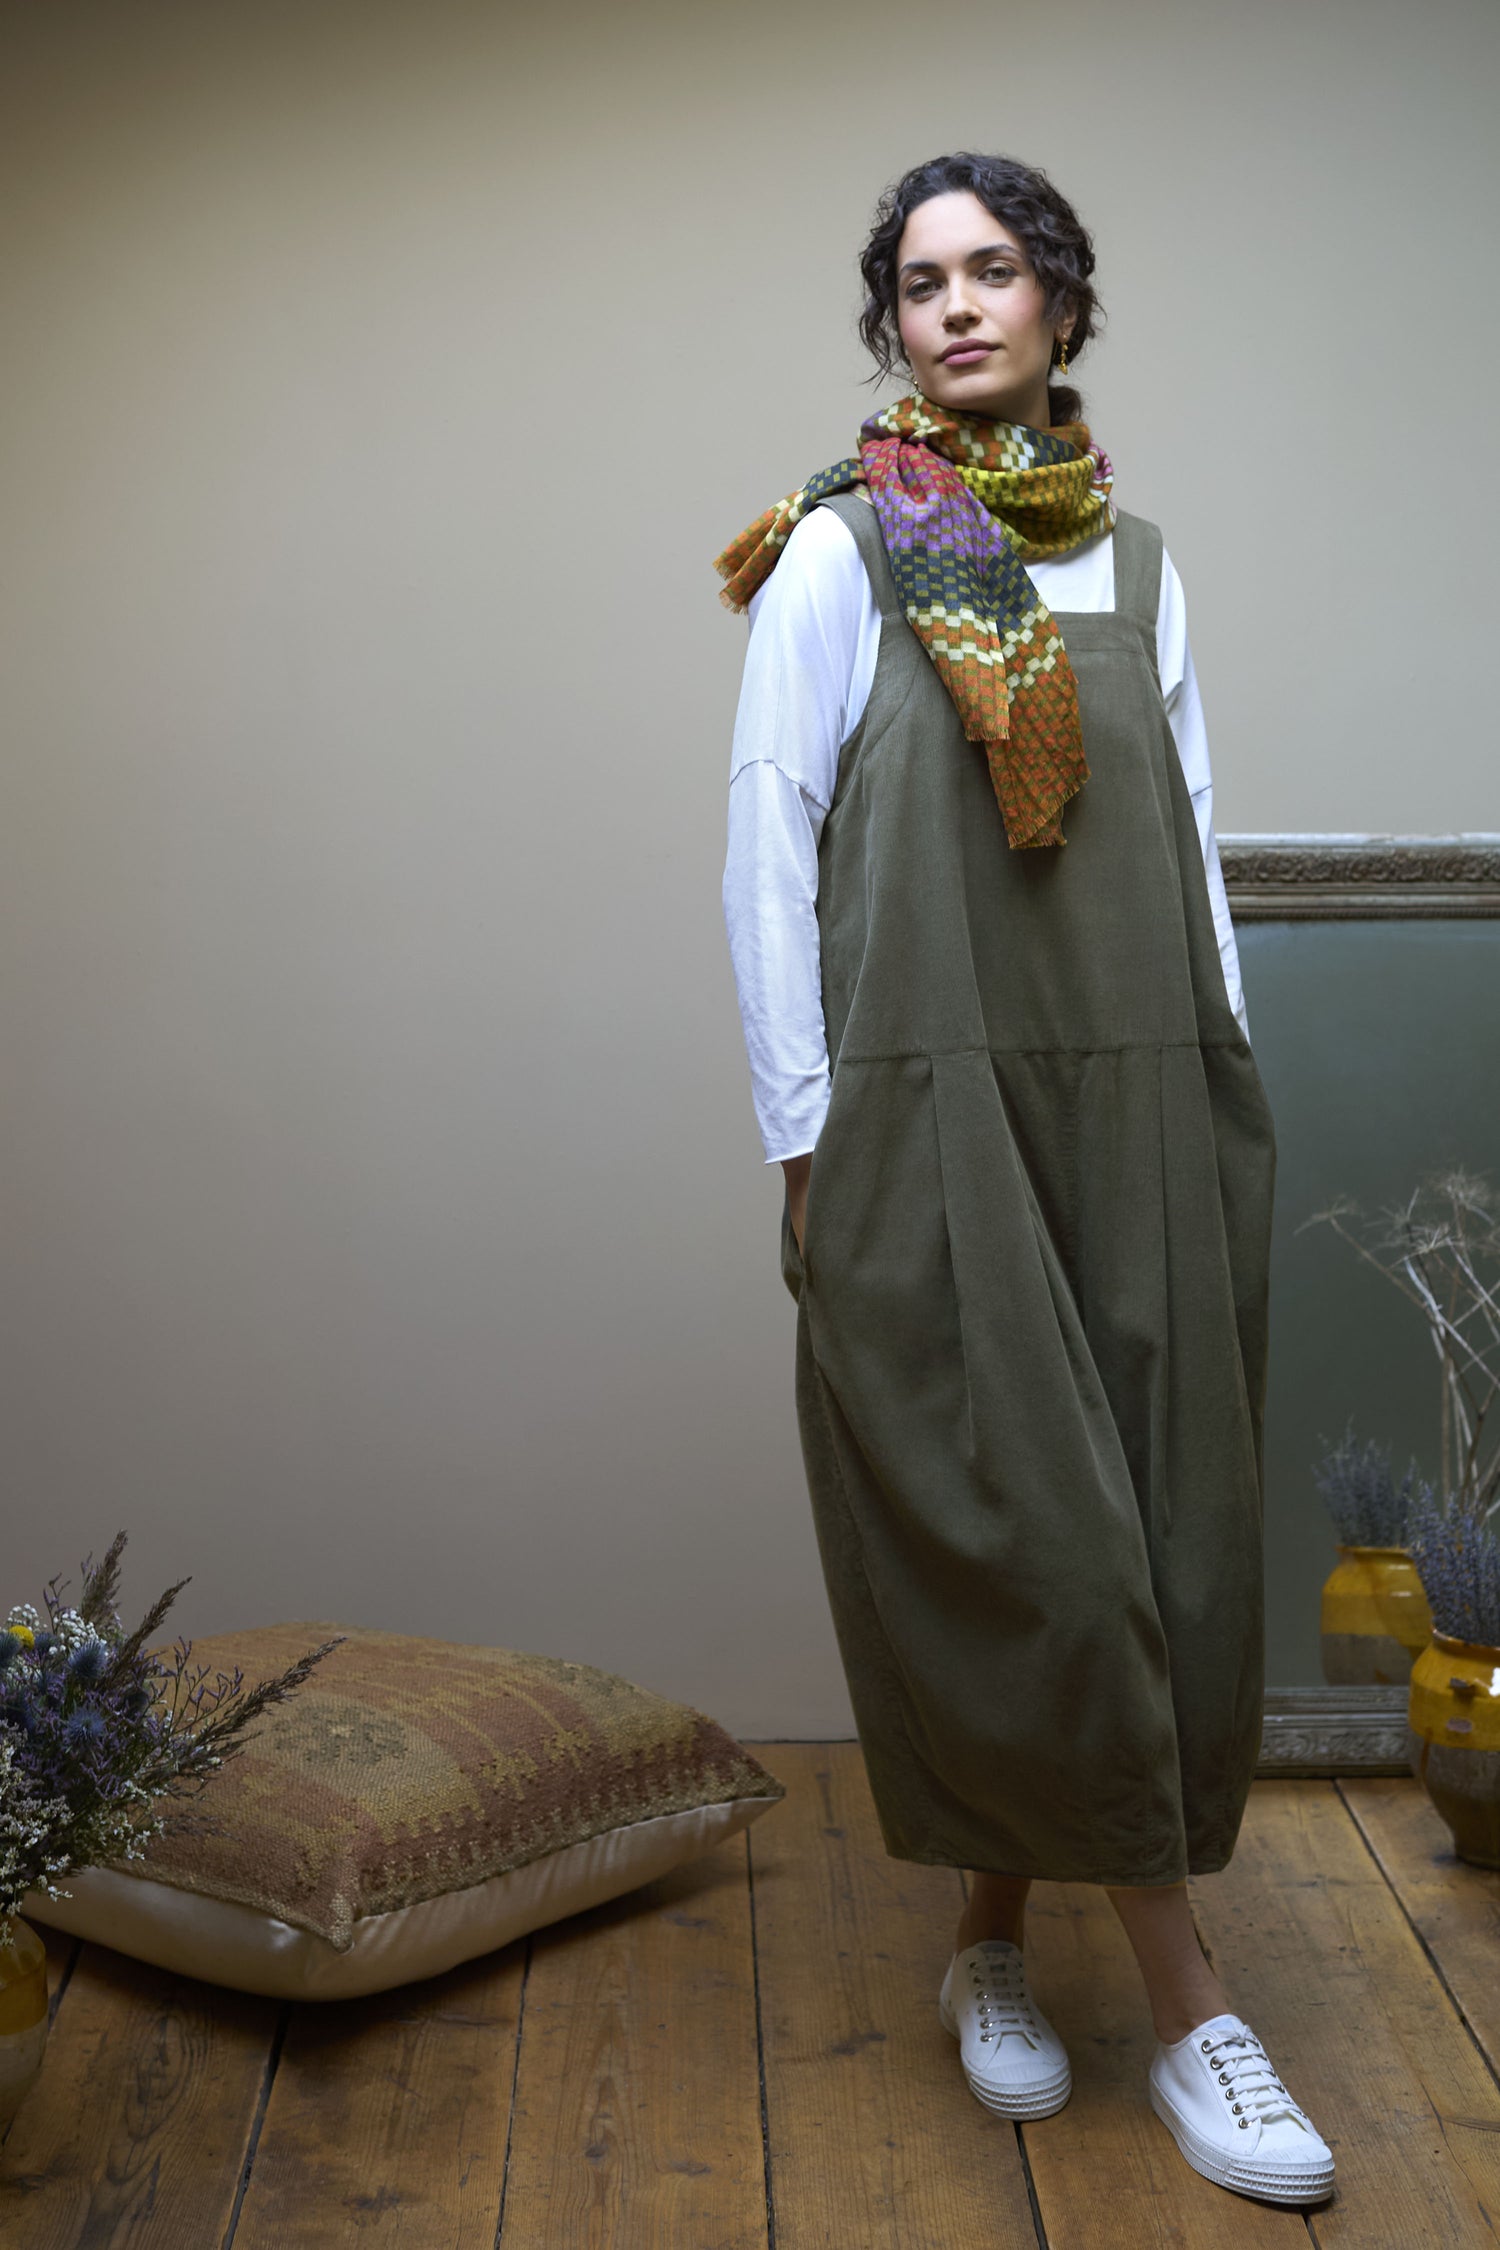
{"x":1013,"y":2059}
{"x":1232,"y":2118}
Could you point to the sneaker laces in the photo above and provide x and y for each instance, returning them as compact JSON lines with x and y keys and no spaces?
{"x":1007,"y":2008}
{"x":1251,"y":2086}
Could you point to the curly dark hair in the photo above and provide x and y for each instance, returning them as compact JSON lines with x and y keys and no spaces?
{"x":1021,"y":198}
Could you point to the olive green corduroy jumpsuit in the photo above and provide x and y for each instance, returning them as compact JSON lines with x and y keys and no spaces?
{"x":1032,"y":1295}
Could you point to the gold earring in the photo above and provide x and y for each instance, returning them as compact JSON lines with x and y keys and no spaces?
{"x":1062,"y":364}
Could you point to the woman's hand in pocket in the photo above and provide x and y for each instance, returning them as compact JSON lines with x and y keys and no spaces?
{"x":796,"y":1169}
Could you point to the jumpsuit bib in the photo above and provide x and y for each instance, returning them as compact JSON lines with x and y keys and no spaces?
{"x":1032,"y":1297}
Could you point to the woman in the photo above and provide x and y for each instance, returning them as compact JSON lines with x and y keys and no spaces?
{"x":1002,"y":1057}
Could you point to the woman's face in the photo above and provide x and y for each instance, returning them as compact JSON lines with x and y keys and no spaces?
{"x":970,"y":312}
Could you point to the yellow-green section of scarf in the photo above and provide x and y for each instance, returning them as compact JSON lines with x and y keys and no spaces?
{"x":1045,"y":508}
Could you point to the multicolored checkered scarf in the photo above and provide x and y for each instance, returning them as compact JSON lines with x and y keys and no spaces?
{"x":963,"y":504}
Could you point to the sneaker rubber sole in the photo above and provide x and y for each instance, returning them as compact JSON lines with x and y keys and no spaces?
{"x":1038,"y":2100}
{"x":1275,"y":2183}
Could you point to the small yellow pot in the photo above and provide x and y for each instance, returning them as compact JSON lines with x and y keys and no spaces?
{"x":23,"y":2012}
{"x":1375,"y":1618}
{"x":1454,"y":1714}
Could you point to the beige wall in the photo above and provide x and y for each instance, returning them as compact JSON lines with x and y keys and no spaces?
{"x":386,"y":1231}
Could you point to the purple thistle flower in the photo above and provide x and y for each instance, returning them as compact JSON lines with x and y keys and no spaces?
{"x":88,"y":1663}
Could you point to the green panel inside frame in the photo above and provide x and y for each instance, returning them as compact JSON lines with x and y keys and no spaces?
{"x":1379,"y":1045}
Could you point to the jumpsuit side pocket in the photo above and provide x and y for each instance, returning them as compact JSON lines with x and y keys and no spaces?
{"x":794,"y":1264}
{"x":791,"y":1256}
{"x":797,"y":1268}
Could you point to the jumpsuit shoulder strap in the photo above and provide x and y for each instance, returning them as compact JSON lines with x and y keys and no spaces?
{"x":863,"y":522}
{"x":1138,"y":546}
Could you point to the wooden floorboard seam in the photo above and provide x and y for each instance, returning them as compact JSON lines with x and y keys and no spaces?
{"x":760,"y":2054}
{"x":1031,"y":2194}
{"x":1428,"y":1954}
{"x":62,"y":1984}
{"x":1039,"y":2224}
{"x":262,"y":2103}
{"x":515,"y":2080}
{"x":1307,"y":2217}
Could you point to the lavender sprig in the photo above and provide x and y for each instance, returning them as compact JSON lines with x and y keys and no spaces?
{"x":1367,"y":1506}
{"x":1458,"y":1561}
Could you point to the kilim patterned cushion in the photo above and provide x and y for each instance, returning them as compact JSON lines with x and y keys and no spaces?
{"x":416,"y":1803}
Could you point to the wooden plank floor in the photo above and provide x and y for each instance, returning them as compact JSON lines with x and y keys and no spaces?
{"x":746,"y":2056}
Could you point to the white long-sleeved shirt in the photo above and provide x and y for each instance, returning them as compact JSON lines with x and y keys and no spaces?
{"x":814,"y":637}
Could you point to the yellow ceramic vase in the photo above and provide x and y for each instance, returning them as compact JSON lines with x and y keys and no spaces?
{"x":23,"y":2012}
{"x":1454,"y":1714}
{"x":1375,"y":1620}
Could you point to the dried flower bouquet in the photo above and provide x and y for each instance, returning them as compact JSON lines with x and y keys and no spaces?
{"x":100,"y":1736}
{"x":1442,"y":1250}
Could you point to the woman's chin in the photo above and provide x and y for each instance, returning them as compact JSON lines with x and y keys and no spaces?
{"x":968,"y":397}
